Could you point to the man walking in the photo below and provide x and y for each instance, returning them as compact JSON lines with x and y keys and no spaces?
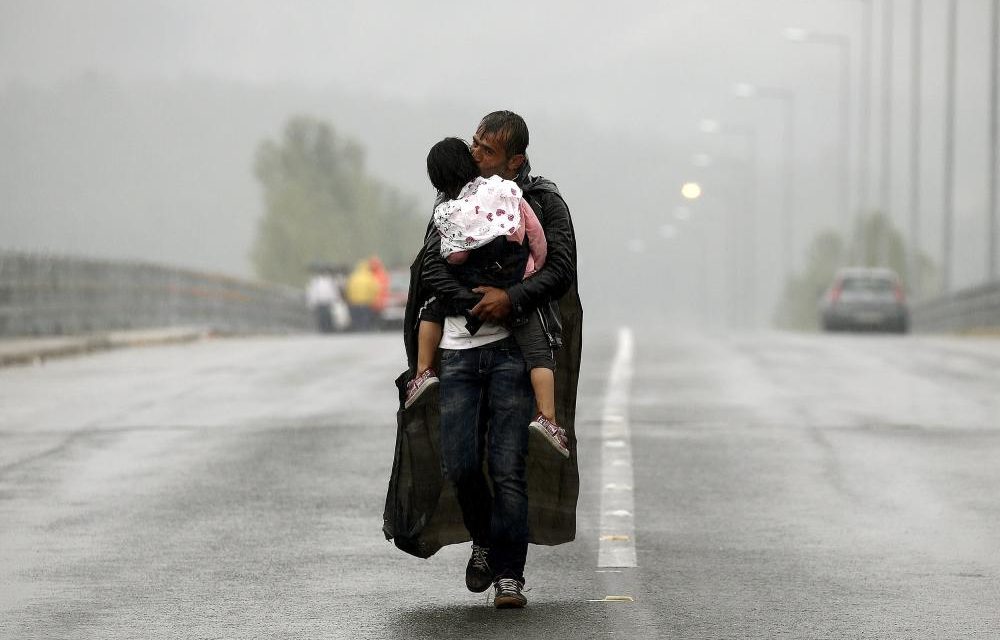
{"x":486,"y":399}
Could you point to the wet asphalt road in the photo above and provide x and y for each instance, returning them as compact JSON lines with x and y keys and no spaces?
{"x":786,"y":486}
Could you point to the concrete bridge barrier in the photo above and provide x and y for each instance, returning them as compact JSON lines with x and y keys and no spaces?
{"x":44,"y":295}
{"x":971,"y":310}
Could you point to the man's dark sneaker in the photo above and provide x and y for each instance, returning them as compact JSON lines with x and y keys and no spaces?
{"x":415,"y":388}
{"x":478,"y":575}
{"x":508,"y":595}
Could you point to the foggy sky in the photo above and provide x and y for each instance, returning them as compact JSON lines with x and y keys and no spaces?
{"x":633,"y":75}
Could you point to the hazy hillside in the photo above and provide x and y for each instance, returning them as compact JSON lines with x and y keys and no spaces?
{"x":156,"y":171}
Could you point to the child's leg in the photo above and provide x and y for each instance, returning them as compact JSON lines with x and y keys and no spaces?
{"x":428,"y":339}
{"x":543,"y":381}
{"x":541,"y":364}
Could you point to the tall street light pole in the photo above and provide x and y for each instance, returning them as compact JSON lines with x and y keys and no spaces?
{"x":724,"y":201}
{"x":994,"y":140}
{"x":718,"y":202}
{"x":949,"y":147}
{"x":864,"y":145}
{"x":864,"y":115}
{"x":885,"y":174}
{"x":749,"y":136}
{"x":698,"y":226}
{"x":787,"y":100}
{"x":913,"y":264}
{"x":843,"y":45}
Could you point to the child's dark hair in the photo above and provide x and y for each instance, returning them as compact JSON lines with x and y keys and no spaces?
{"x":450,"y":166}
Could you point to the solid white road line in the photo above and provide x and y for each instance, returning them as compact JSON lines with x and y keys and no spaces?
{"x":617,"y":540}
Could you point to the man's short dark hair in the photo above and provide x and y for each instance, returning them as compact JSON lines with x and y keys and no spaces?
{"x":450,"y":166}
{"x":510,"y":128}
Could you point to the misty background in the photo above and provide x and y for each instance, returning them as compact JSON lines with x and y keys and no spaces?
{"x":128,"y":130}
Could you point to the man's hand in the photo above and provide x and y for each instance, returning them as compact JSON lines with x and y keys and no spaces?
{"x":494,"y":306}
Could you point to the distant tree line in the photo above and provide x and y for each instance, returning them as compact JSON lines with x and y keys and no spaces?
{"x":321,"y":206}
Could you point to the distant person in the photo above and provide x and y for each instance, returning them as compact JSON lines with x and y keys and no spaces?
{"x":341,"y":314}
{"x":382,"y":277}
{"x":321,"y":295}
{"x":479,"y":211}
{"x":362,"y":291}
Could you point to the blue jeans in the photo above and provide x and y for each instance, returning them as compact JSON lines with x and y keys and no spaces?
{"x":489,"y":383}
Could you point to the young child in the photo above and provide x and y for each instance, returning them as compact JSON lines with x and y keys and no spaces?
{"x":478,"y":211}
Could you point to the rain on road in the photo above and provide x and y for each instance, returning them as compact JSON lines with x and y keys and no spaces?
{"x":785,"y":485}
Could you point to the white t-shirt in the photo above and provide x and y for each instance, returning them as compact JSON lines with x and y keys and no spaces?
{"x":456,"y":336}
{"x":321,"y":291}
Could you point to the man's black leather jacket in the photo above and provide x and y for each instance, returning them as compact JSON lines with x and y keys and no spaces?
{"x":421,"y":511}
{"x":540,"y":292}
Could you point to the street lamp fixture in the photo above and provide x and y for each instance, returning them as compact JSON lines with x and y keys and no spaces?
{"x":796,"y":34}
{"x":668,"y":231}
{"x":709,"y":126}
{"x":636,"y":245}
{"x":842,"y":43}
{"x":744,"y":90}
{"x":749,"y":205}
{"x":787,"y":99}
{"x":701,"y":160}
{"x":691,"y":190}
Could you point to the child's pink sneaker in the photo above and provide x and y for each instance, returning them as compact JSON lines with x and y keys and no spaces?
{"x":416,"y":387}
{"x":552,"y":433}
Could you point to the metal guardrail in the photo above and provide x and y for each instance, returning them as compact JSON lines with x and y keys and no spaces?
{"x":968,"y":310}
{"x":42,"y":295}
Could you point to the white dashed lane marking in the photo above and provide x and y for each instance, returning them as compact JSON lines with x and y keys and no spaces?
{"x":617,"y":537}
